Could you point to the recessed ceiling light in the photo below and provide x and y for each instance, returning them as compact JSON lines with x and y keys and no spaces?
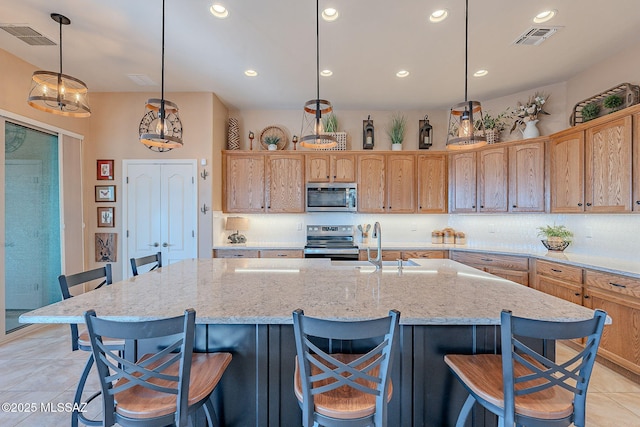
{"x":545,"y":16}
{"x":326,"y":73}
{"x":330,"y":14}
{"x":219,"y":11}
{"x":439,"y":15}
{"x":251,"y":73}
{"x":402,"y":73}
{"x":480,"y":73}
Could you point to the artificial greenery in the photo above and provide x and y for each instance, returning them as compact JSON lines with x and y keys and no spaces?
{"x":590,"y":111}
{"x":397,"y":128}
{"x":271,"y":140}
{"x":330,"y":122}
{"x":559,"y":231}
{"x":499,"y":122}
{"x":612,"y":102}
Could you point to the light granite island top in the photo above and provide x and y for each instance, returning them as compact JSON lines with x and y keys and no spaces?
{"x":266,"y":291}
{"x":244,"y":306}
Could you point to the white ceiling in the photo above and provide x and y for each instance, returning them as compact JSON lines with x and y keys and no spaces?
{"x":364,"y":48}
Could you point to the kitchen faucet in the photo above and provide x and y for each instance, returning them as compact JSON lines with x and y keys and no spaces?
{"x":377,"y":234}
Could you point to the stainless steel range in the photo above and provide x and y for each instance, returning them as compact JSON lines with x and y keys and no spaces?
{"x":331,"y":241}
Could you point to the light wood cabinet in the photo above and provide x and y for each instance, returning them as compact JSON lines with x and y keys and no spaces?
{"x":462,"y":182}
{"x":619,"y":296}
{"x":526,"y":177}
{"x":608,"y":166}
{"x":567,"y":172}
{"x":243,"y":183}
{"x":281,"y":253}
{"x":492,"y":179}
{"x":371,"y":183}
{"x":285,"y":183}
{"x":562,"y":281}
{"x":636,"y":162}
{"x":401,"y":183}
{"x":393,"y":255}
{"x":432,"y":183}
{"x":323,"y":167}
{"x":510,"y":267}
{"x":236,"y":253}
{"x":386,"y":183}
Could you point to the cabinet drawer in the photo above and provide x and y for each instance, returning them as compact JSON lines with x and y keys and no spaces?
{"x":614,"y":283}
{"x":235,"y":253}
{"x":480,"y":260}
{"x":283,"y":253}
{"x":559,"y":271}
{"x":424,"y":254}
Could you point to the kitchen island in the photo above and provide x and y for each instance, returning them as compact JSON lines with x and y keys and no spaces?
{"x":244,"y":306}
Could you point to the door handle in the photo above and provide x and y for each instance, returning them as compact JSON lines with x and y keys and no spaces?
{"x":155,"y":245}
{"x":165,"y":245}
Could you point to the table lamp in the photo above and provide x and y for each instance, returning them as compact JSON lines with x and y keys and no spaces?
{"x":238,"y":224}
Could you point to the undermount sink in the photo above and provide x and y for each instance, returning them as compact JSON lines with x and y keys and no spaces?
{"x":368,"y":264}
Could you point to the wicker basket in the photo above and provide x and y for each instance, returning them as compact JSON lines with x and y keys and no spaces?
{"x":555,"y":245}
{"x":341,"y":137}
{"x":629,"y":93}
{"x":492,"y":135}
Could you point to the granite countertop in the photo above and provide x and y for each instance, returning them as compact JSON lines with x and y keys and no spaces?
{"x":266,"y":291}
{"x":603,"y":263}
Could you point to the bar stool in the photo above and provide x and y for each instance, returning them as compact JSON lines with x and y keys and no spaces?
{"x":161,"y":388}
{"x":149,"y":259}
{"x":81,"y":340}
{"x":338,"y":389}
{"x":524,"y":387}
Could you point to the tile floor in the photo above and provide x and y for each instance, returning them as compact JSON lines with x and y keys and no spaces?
{"x":47,"y":371}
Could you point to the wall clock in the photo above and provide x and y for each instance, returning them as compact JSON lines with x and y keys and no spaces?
{"x":150,"y":124}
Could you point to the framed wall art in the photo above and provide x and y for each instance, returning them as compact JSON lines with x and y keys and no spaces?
{"x":106,"y":247}
{"x":105,"y":169}
{"x":105,"y":193}
{"x":106,"y":217}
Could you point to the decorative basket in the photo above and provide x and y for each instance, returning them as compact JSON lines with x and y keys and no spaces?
{"x":492,"y":135}
{"x":341,"y":137}
{"x":559,"y":245}
{"x":629,"y":93}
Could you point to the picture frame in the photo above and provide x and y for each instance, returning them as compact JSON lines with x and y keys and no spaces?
{"x":106,"y":247}
{"x":105,"y":193}
{"x":104,"y":169}
{"x":106,"y":217}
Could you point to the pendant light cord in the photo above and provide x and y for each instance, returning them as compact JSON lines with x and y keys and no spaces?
{"x":60,"y":21}
{"x":318,"y":57}
{"x":466,"y":46}
{"x":161,"y":113}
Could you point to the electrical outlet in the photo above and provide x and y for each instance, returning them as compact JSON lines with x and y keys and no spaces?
{"x":299,"y":226}
{"x":492,"y":228}
{"x":414,"y":227}
{"x":588,"y":233}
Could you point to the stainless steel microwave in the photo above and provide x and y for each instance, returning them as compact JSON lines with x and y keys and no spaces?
{"x":332,"y":197}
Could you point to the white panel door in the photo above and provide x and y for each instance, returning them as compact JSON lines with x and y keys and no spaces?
{"x":161,"y":211}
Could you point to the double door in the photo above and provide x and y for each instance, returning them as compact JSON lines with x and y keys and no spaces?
{"x":161,"y":210}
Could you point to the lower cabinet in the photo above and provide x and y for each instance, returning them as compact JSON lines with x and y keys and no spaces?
{"x":562,"y":281}
{"x":255,"y":253}
{"x":510,"y":267}
{"x":393,"y":255}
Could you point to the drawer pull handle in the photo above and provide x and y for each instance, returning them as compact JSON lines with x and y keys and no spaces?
{"x":617,"y":285}
{"x":556,"y":270}
{"x":486,"y":259}
{"x":577,"y":294}
{"x":237,"y":255}
{"x":282,"y":254}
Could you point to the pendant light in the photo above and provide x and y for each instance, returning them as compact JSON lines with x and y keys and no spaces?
{"x":466,"y":127}
{"x":59,"y":93}
{"x":312,"y":127}
{"x":160,"y":128}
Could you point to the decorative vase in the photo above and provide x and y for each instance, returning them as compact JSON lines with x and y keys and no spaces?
{"x":233,"y":135}
{"x":396,"y":147}
{"x":531,"y":130}
{"x":273,"y":147}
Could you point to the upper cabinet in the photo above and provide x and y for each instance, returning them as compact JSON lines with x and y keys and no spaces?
{"x":526,"y":177}
{"x":324,"y":167}
{"x":371,"y":183}
{"x":591,"y":168}
{"x":285,"y":183}
{"x":401,"y":183}
{"x":492,"y":179}
{"x":387,"y":183}
{"x":636,"y":163}
{"x":462,"y":182}
{"x":432,"y":183}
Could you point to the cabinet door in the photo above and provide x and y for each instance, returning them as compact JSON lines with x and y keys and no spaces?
{"x":281,"y":253}
{"x":492,"y":180}
{"x":343,"y":168}
{"x":567,"y":173}
{"x":285,"y":183}
{"x":565,"y":290}
{"x":636,"y":163}
{"x":371,"y":183}
{"x":608,"y":167}
{"x":318,"y":167}
{"x":526,"y":177}
{"x":520,"y":277}
{"x":401,"y":180}
{"x":432,"y":183}
{"x":244,"y":183}
{"x":462,"y":182}
{"x":424,"y":254}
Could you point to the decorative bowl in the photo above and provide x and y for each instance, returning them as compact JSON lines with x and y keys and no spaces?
{"x":560,"y":245}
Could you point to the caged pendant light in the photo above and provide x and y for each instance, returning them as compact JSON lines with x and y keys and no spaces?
{"x":466,"y":127}
{"x":312,"y":127}
{"x":160,"y":128}
{"x":59,"y":93}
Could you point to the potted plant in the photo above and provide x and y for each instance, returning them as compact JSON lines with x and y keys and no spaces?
{"x":396,"y":130}
{"x":612,"y":102}
{"x":330,"y":126}
{"x":272,"y":142}
{"x":558,"y":237}
{"x":590,"y":111}
{"x":494,"y":125}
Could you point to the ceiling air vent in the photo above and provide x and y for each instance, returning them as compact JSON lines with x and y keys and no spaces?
{"x":536,"y":35}
{"x":27,"y":35}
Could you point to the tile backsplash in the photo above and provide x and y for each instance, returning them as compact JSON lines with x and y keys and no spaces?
{"x":594,"y":234}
